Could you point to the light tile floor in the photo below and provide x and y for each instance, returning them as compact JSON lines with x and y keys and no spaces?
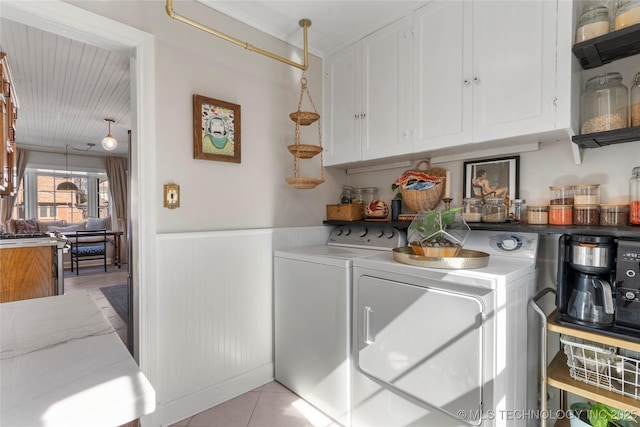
{"x":271,"y":405}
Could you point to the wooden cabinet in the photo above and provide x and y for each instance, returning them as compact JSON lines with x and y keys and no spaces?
{"x":558,"y":372}
{"x":483,"y":71}
{"x":32,"y":273}
{"x":8,"y":116}
{"x":366,"y":90}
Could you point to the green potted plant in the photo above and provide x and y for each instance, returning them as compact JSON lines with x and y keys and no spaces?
{"x":438,"y":233}
{"x":584,"y":414}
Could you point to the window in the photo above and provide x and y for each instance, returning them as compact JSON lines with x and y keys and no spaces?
{"x":38,"y":196}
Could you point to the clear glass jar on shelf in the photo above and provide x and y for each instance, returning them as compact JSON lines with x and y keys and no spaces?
{"x":587,"y":194}
{"x":627,"y":14}
{"x":472,"y":209}
{"x":634,"y":196}
{"x":586,"y":214}
{"x":594,"y":22}
{"x":605,"y":104}
{"x":561,"y":214}
{"x":561,"y":195}
{"x":518,"y":212}
{"x":538,"y":215}
{"x":634,"y":98}
{"x":347,"y":195}
{"x":614,"y":215}
{"x":494,"y":210}
{"x":371,"y":194}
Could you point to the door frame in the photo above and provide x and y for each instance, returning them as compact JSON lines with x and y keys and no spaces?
{"x":75,"y":23}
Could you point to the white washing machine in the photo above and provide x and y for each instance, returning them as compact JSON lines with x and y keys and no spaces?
{"x":312,"y":314}
{"x":440,"y":347}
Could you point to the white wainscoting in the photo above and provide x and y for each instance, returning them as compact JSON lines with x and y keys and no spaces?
{"x":214,"y":301}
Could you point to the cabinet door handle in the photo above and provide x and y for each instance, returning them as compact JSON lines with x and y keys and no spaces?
{"x":363,"y":115}
{"x":466,"y":82}
{"x":357,"y":116}
{"x":476,"y":79}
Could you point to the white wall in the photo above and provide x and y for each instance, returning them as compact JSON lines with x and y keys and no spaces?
{"x":220,"y":195}
{"x":551,"y":165}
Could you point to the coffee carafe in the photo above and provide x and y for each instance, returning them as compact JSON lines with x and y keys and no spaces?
{"x":585,"y":293}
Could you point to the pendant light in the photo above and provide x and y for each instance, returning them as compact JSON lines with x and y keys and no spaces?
{"x":109,"y":143}
{"x":67,"y":185}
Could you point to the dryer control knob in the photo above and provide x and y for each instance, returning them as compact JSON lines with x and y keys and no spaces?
{"x":363,"y":232}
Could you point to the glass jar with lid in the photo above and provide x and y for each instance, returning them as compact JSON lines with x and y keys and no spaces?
{"x":586,"y":214}
{"x":561,"y":195}
{"x":561,"y":214}
{"x":634,"y":196}
{"x":605,"y":104}
{"x":614,"y":215}
{"x":627,"y":14}
{"x":587,"y":194}
{"x":593,"y":22}
{"x":494,"y":210}
{"x":518,"y":211}
{"x":472,"y":209}
{"x":371,"y":194}
{"x":347,"y":195}
{"x":635,"y":101}
{"x":538,"y":214}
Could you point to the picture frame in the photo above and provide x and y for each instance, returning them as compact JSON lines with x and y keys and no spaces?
{"x":492,"y":178}
{"x":216,"y":130}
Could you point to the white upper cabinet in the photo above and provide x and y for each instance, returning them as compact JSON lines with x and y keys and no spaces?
{"x":366,"y":86}
{"x":483,"y":71}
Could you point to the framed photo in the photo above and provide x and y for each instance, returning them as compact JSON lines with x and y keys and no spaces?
{"x":216,"y":130}
{"x":492,"y":178}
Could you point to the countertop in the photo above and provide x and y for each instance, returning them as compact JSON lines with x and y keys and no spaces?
{"x":62,"y":364}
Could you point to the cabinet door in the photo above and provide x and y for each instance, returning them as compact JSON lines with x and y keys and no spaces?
{"x":342,"y":106}
{"x":514,"y":84}
{"x":385,"y":79}
{"x":441,"y":75}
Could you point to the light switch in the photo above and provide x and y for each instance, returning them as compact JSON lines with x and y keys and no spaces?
{"x":171,"y":196}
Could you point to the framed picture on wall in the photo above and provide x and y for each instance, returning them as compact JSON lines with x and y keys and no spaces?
{"x":492,"y":178}
{"x":216,"y":130}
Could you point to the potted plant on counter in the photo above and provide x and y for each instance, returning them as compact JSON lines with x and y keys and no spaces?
{"x":583,"y":414}
{"x":438,"y":233}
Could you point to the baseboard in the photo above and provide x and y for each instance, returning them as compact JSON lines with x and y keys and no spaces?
{"x":187,"y":406}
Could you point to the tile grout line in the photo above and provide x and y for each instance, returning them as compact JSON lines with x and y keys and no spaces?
{"x":255,"y":406}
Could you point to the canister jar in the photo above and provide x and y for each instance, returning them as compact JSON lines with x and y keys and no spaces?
{"x":347,"y":195}
{"x":371,"y":194}
{"x":588,"y":194}
{"x":518,"y":210}
{"x":472,"y":209}
{"x":634,"y":196}
{"x":586,"y":214}
{"x":561,"y":195}
{"x":634,"y":99}
{"x":593,"y":22}
{"x":627,"y":14}
{"x":538,"y":214}
{"x":561,"y":214}
{"x":605,"y":104}
{"x":494,"y":210}
{"x":614,"y":215}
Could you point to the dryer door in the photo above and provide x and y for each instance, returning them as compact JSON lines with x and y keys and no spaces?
{"x":424,"y":342}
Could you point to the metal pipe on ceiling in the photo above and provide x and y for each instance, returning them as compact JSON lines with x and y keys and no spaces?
{"x":304,"y":23}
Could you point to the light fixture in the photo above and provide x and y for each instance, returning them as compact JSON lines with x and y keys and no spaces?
{"x":109,"y":143}
{"x":67,"y":185}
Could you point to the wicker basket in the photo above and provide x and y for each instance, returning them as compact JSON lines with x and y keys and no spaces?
{"x":305,"y":118}
{"x":345,"y":212}
{"x":428,"y":199}
{"x":304,"y":151}
{"x":303,"y":183}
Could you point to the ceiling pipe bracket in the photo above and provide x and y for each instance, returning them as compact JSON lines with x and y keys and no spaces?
{"x":304,"y":23}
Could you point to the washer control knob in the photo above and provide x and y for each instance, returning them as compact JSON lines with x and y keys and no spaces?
{"x":339,"y":232}
{"x":363,"y":232}
{"x":347,"y":231}
{"x":389,"y":234}
{"x":629,"y":295}
{"x":630,"y":273}
{"x":380,"y":233}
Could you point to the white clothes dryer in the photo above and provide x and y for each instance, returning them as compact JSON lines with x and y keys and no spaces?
{"x":441,"y":347}
{"x":312,"y":314}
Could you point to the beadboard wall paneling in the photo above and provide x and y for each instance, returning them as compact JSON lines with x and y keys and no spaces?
{"x":215,"y":314}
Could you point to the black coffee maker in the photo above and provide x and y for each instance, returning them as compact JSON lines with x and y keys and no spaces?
{"x":586,"y":280}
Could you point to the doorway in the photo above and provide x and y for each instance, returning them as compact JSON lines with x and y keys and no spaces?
{"x":75,"y":23}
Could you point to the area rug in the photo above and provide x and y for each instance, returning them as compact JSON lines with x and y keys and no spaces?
{"x":118,"y":297}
